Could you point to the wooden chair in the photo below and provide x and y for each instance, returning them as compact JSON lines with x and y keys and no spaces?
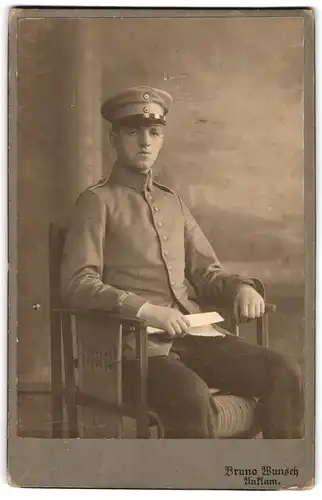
{"x":86,"y":370}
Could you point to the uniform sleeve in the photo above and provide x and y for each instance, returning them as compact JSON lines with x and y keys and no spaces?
{"x":83,"y":262}
{"x":203,"y":269}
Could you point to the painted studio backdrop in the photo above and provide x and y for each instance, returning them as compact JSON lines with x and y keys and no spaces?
{"x":233,"y":149}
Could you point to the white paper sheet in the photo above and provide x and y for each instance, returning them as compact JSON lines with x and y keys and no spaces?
{"x":205,"y":331}
{"x":200,"y":325}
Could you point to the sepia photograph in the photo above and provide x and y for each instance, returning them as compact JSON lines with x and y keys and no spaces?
{"x":159,"y":233}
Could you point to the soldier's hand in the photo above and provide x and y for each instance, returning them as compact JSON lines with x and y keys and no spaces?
{"x":248,"y":304}
{"x":168,"y":319}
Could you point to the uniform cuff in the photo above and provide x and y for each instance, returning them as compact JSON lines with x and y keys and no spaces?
{"x":242,"y":281}
{"x":131,"y":305}
{"x":138,"y":315}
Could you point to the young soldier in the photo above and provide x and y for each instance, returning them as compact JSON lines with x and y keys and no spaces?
{"x":130,"y":246}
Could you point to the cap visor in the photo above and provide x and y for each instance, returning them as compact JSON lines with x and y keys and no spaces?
{"x":140,"y":120}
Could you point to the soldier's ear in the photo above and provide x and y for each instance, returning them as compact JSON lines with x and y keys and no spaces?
{"x":112,"y":138}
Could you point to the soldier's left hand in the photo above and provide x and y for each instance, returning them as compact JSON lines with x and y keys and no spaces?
{"x":248,"y":304}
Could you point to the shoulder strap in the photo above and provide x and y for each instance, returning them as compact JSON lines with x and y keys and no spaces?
{"x":98,"y":184}
{"x":164,"y":188}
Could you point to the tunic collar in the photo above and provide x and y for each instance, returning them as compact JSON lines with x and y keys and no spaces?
{"x":131,"y":178}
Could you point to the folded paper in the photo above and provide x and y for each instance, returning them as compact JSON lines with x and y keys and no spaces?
{"x":200,"y":324}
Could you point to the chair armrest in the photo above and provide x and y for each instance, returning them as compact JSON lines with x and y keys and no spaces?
{"x":270,"y":308}
{"x":135,"y":322}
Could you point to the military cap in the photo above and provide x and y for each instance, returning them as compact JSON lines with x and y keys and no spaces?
{"x":138,"y":105}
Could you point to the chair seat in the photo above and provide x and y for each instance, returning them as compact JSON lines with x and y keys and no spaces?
{"x":237,"y":416}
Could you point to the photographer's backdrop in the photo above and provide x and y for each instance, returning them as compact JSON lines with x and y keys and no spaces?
{"x":233,"y":147}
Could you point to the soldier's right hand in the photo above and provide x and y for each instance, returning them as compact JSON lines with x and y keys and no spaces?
{"x":168,"y":319}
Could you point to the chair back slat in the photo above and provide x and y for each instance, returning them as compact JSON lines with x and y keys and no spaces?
{"x":55,"y":248}
{"x":56,"y":244}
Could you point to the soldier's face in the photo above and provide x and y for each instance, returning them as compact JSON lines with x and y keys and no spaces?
{"x":138,"y":147}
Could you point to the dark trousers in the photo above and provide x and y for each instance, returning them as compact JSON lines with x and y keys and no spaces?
{"x":178,"y":386}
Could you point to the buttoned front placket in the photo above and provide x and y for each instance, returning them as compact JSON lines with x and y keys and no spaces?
{"x":163,"y":238}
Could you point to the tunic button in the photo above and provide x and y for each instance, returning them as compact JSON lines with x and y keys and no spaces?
{"x":165,"y":252}
{"x":149,"y":197}
{"x":159,"y":224}
{"x":165,"y":237}
{"x":169,"y":267}
{"x":155,"y":209}
{"x":172,"y":283}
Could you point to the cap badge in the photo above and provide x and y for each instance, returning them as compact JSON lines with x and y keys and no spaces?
{"x":146,"y":96}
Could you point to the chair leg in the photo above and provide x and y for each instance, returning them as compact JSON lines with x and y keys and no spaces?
{"x":72,"y":416}
{"x":142,"y":370}
{"x":262,"y":331}
{"x":69,"y":370}
{"x":56,"y":376}
{"x":261,"y":323}
{"x":155,"y":417}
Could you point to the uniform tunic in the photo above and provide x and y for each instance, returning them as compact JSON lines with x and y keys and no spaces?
{"x":133,"y":240}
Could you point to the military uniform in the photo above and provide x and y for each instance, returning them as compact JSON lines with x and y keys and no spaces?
{"x":133,"y":240}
